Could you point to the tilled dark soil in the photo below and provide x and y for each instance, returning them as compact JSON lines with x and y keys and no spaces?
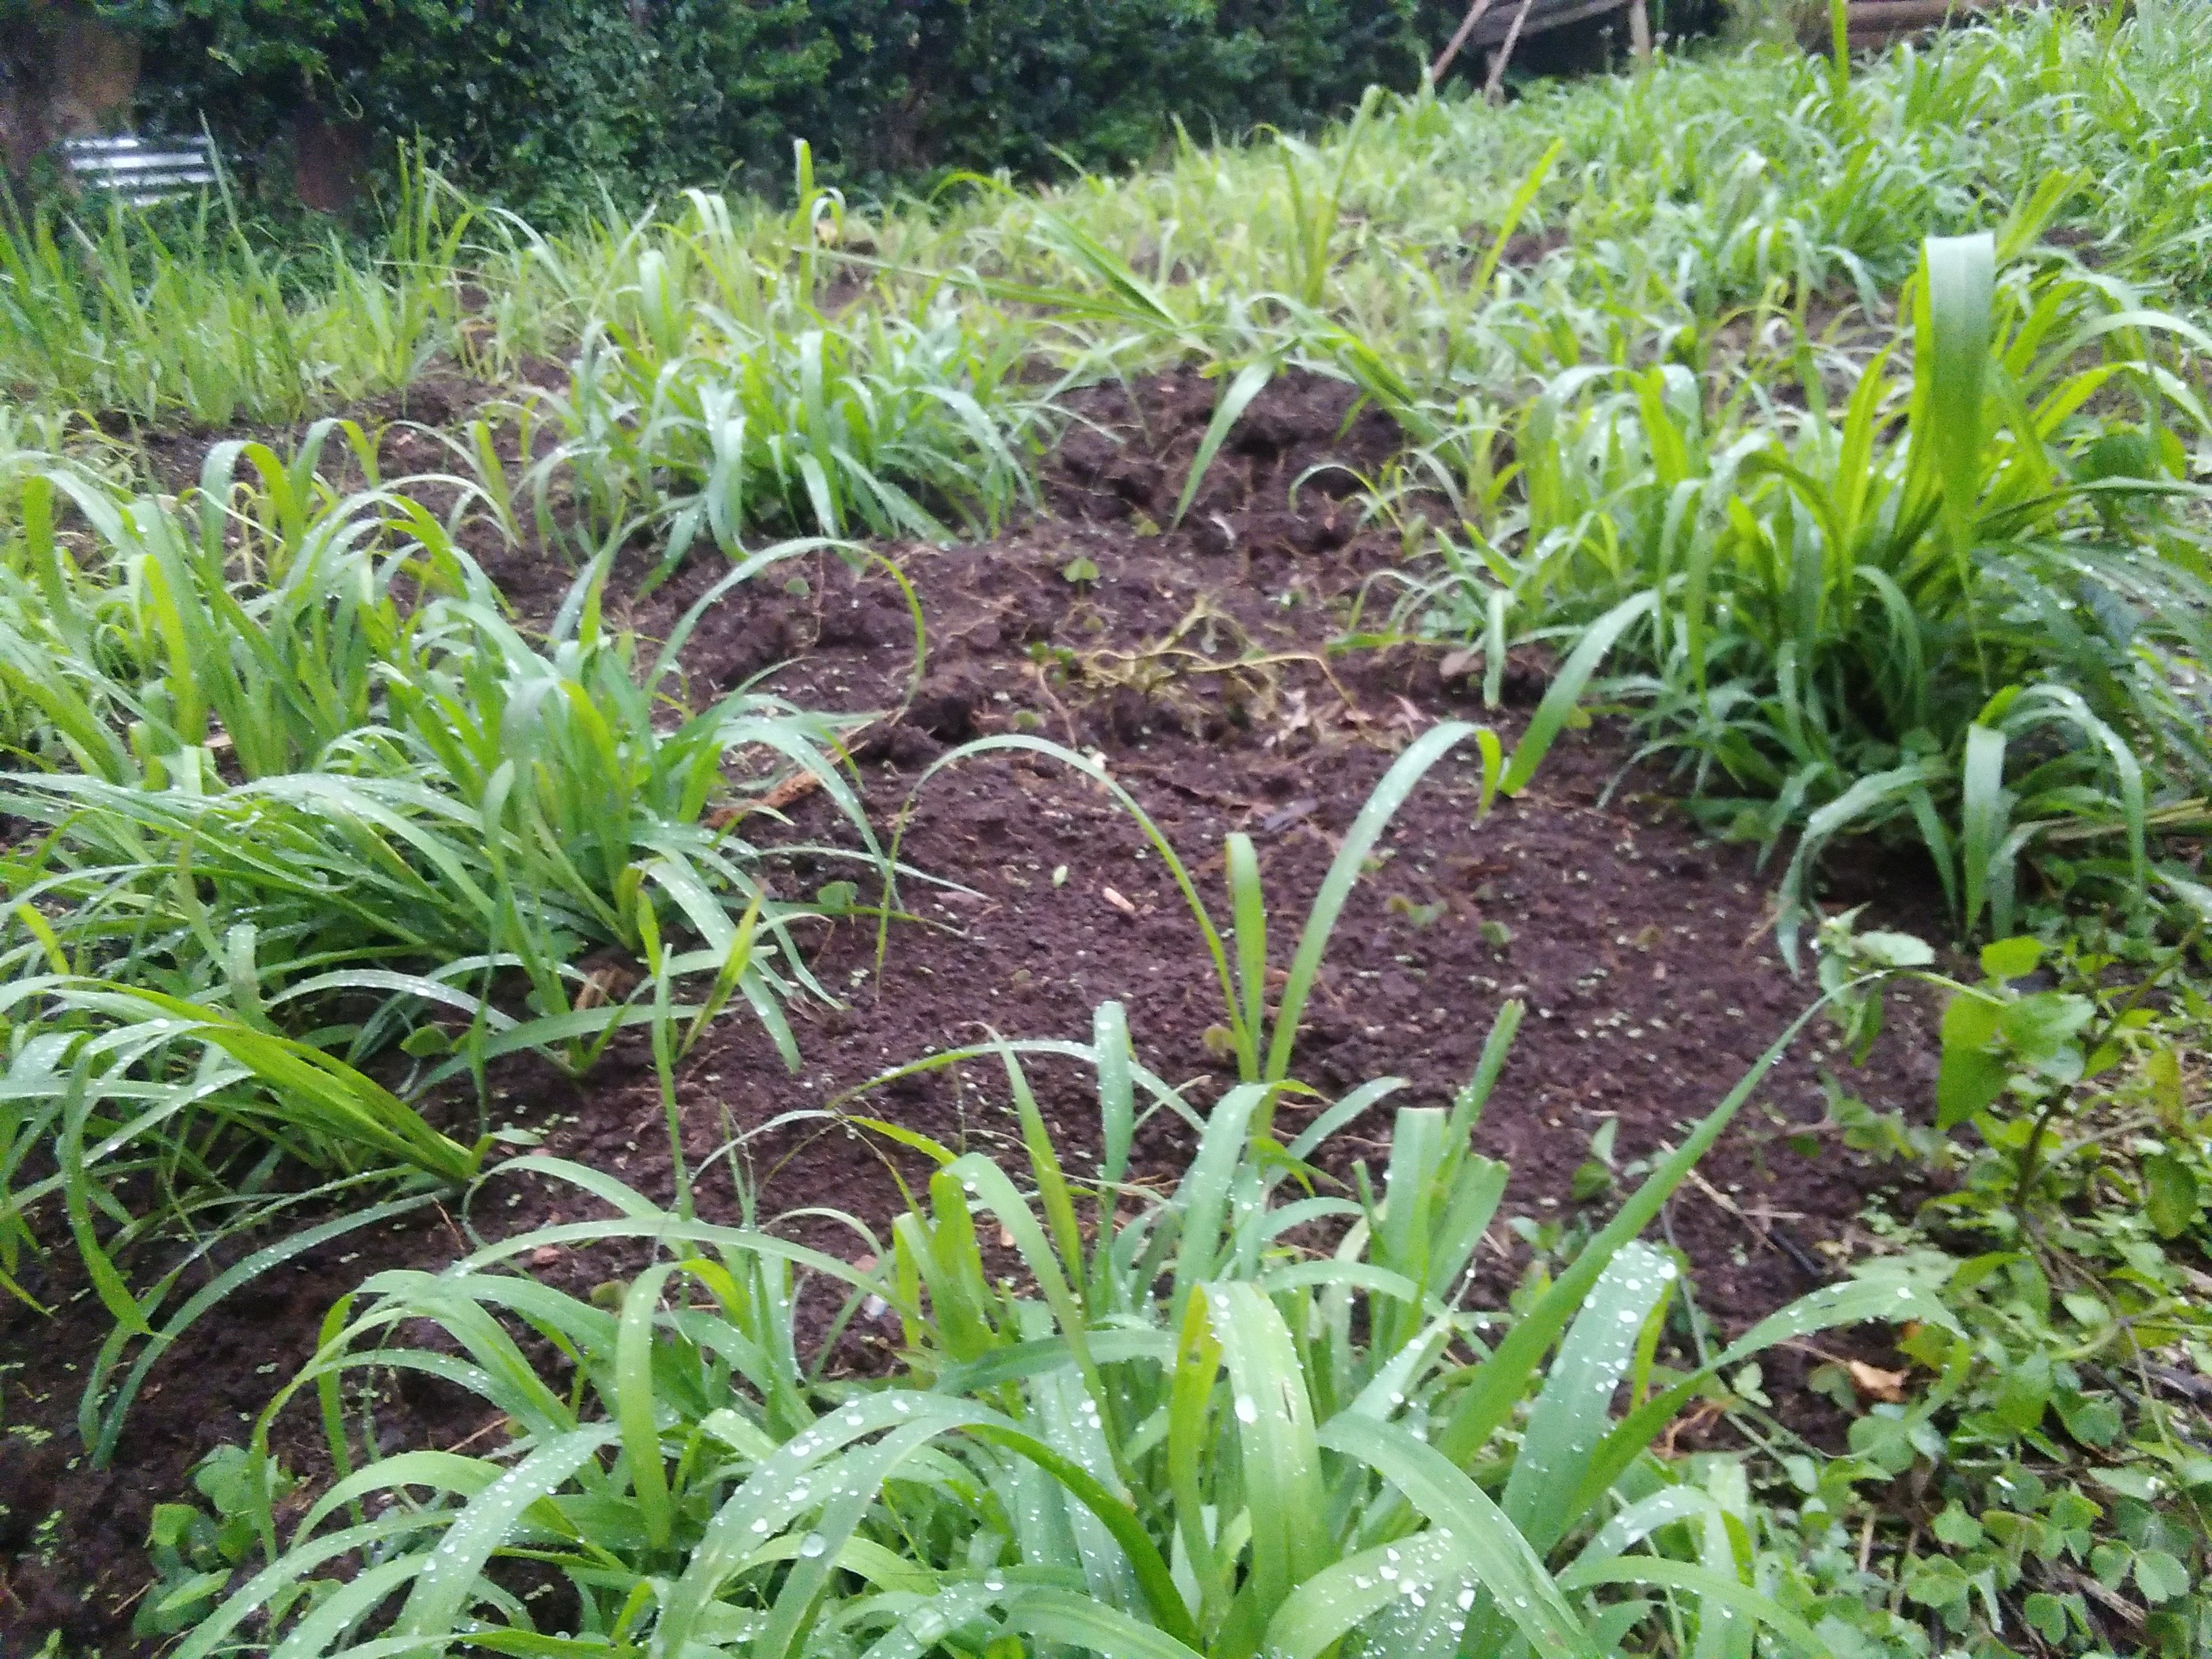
{"x":1192,"y":663}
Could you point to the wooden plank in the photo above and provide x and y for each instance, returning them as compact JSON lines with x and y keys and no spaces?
{"x":1875,"y":23}
{"x":1914,"y":13}
{"x":1544,"y":14}
{"x":139,"y":170}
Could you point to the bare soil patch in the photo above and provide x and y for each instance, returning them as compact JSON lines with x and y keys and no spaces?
{"x":1194,"y":663}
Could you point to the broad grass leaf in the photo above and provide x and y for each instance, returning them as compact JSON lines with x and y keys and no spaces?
{"x":1566,"y":690}
{"x":1496,"y":1554}
{"x":1250,"y":381}
{"x":1574,"y":1411}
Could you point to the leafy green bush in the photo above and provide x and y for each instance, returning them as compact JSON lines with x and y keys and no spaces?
{"x":1246,"y":1416}
{"x":548,"y":102}
{"x":327,"y":803}
{"x":1970,"y":609}
{"x":712,"y":393}
{"x":2046,"y":1472}
{"x":194,"y":1549}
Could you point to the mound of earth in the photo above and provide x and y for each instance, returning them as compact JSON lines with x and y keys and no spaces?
{"x":1197,"y":665}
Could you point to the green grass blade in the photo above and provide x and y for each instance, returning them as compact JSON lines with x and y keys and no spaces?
{"x":1248,"y":909}
{"x":1952,"y":350}
{"x":1524,"y":198}
{"x":633,"y":1401}
{"x":1344,"y":871}
{"x":1497,"y":1555}
{"x":447,"y":1582}
{"x":1280,"y":1458}
{"x":1566,"y":690}
{"x":1985,"y":817}
{"x":1251,"y":380}
{"x":1705,"y":1584}
{"x":1574,"y":1411}
{"x":1110,"y":1043}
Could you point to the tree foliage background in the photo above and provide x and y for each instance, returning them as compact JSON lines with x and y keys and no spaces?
{"x":541,"y":102}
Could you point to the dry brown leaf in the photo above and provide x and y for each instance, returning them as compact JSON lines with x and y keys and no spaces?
{"x":1876,"y":1383}
{"x":794,"y":788}
{"x":797,"y":786}
{"x":1458,"y":663}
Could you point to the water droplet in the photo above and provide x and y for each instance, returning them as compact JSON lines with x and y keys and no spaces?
{"x":1248,"y":1410}
{"x":812,"y":1546}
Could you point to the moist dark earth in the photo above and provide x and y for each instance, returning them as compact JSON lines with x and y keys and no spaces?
{"x":1194,"y":665}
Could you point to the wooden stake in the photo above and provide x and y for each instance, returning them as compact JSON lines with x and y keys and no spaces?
{"x":1639,"y":30}
{"x":1503,"y":55}
{"x":1474,"y":12}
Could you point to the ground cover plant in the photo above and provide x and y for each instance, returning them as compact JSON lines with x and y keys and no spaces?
{"x":622,"y":687}
{"x":2053,"y":1462}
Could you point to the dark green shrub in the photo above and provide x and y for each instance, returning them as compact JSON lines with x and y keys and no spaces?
{"x":540,"y":99}
{"x":540,"y":102}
